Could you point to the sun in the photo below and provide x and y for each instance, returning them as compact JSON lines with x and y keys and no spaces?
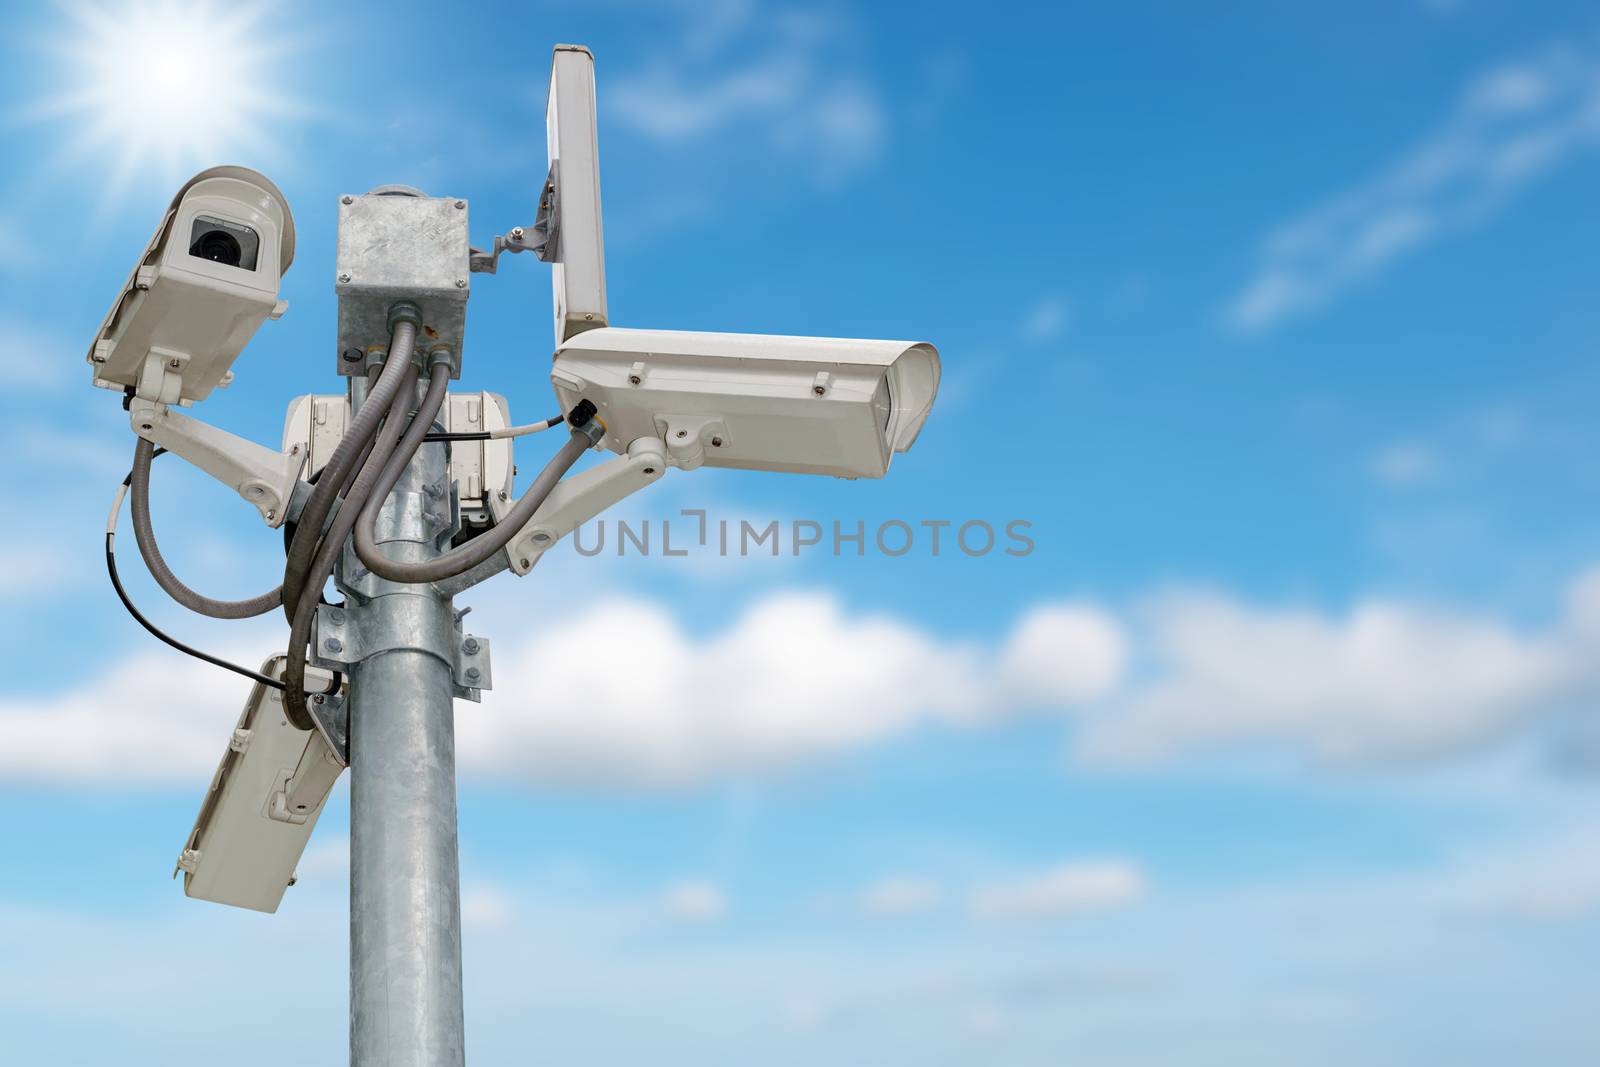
{"x":165,"y":87}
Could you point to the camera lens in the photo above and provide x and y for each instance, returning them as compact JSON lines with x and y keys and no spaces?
{"x":217,"y":246}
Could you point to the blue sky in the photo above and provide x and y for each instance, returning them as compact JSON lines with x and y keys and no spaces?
{"x":1273,"y":321}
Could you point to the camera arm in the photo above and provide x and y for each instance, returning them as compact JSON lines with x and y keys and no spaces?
{"x":262,"y":476}
{"x":571,"y":503}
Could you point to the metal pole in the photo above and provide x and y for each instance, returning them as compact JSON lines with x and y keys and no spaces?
{"x":405,"y":907}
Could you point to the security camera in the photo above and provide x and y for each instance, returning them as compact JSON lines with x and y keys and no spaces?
{"x":204,"y":284}
{"x":813,"y":405}
{"x":263,"y":802}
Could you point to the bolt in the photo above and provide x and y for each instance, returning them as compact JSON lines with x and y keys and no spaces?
{"x":524,"y":563}
{"x":347,"y":200}
{"x":344,"y":276}
{"x":333,"y":645}
{"x":683,"y":433}
{"x":461,"y":205}
{"x":503,"y":495}
{"x":336,"y":616}
{"x":174,"y":363}
{"x":319,"y":699}
{"x":351,"y":355}
{"x":716,"y":442}
{"x":588,"y":318}
{"x":272,"y":516}
{"x":634,"y":379}
{"x":470,"y":646}
{"x":649,"y":470}
{"x":819,"y":390}
{"x":461,"y":283}
{"x":144,"y":426}
{"x":516,"y":233}
{"x":472,"y":674}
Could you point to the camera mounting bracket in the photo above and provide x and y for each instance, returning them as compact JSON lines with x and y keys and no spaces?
{"x":577,"y":499}
{"x":262,"y":476}
{"x":541,"y":238}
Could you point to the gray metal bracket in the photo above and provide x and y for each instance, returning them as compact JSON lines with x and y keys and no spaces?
{"x":332,"y":715}
{"x":339,"y":641}
{"x":541,"y":238}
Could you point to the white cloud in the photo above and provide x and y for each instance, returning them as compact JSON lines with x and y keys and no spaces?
{"x":793,"y":677}
{"x":155,"y":718}
{"x":621,"y":694}
{"x":1387,"y":680}
{"x":1063,"y":653}
{"x":789,"y":82}
{"x":1068,"y":890}
{"x":900,"y":896}
{"x":1509,"y":127}
{"x":695,"y":901}
{"x":486,"y":909}
{"x":1406,"y":463}
{"x":624,"y":695}
{"x":1046,"y":321}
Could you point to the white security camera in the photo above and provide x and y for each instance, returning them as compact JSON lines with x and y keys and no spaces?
{"x":205,"y":283}
{"x":262,"y":805}
{"x":813,"y":405}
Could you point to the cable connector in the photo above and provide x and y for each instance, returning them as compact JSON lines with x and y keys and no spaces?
{"x":581,"y":412}
{"x":582,"y":419}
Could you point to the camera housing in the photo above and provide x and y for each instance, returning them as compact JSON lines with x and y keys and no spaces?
{"x":263,"y":803}
{"x":203,"y":286}
{"x":810,"y":405}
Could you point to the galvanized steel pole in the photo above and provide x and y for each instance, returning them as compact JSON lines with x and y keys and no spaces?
{"x":405,"y":908}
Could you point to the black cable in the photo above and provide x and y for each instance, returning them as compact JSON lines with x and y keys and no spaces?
{"x":157,"y":632}
{"x":484,"y":435}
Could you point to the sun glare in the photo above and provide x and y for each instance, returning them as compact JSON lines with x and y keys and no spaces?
{"x":166,"y":88}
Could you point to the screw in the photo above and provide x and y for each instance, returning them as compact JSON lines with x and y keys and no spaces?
{"x":344,"y":276}
{"x":470,"y":646}
{"x":503,"y":494}
{"x":336,"y":616}
{"x":683,"y":433}
{"x":461,"y":283}
{"x":333,"y":644}
{"x":319,"y":699}
{"x":144,"y":426}
{"x":174,"y":363}
{"x":716,"y":442}
{"x":461,"y":205}
{"x":516,"y":233}
{"x":472,"y":674}
{"x":272,"y":516}
{"x":524,"y":563}
{"x":351,"y":355}
{"x":634,"y":379}
{"x":347,"y":200}
{"x":819,"y":390}
{"x":649,"y":470}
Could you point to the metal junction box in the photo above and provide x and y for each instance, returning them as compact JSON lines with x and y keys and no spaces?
{"x":396,"y":246}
